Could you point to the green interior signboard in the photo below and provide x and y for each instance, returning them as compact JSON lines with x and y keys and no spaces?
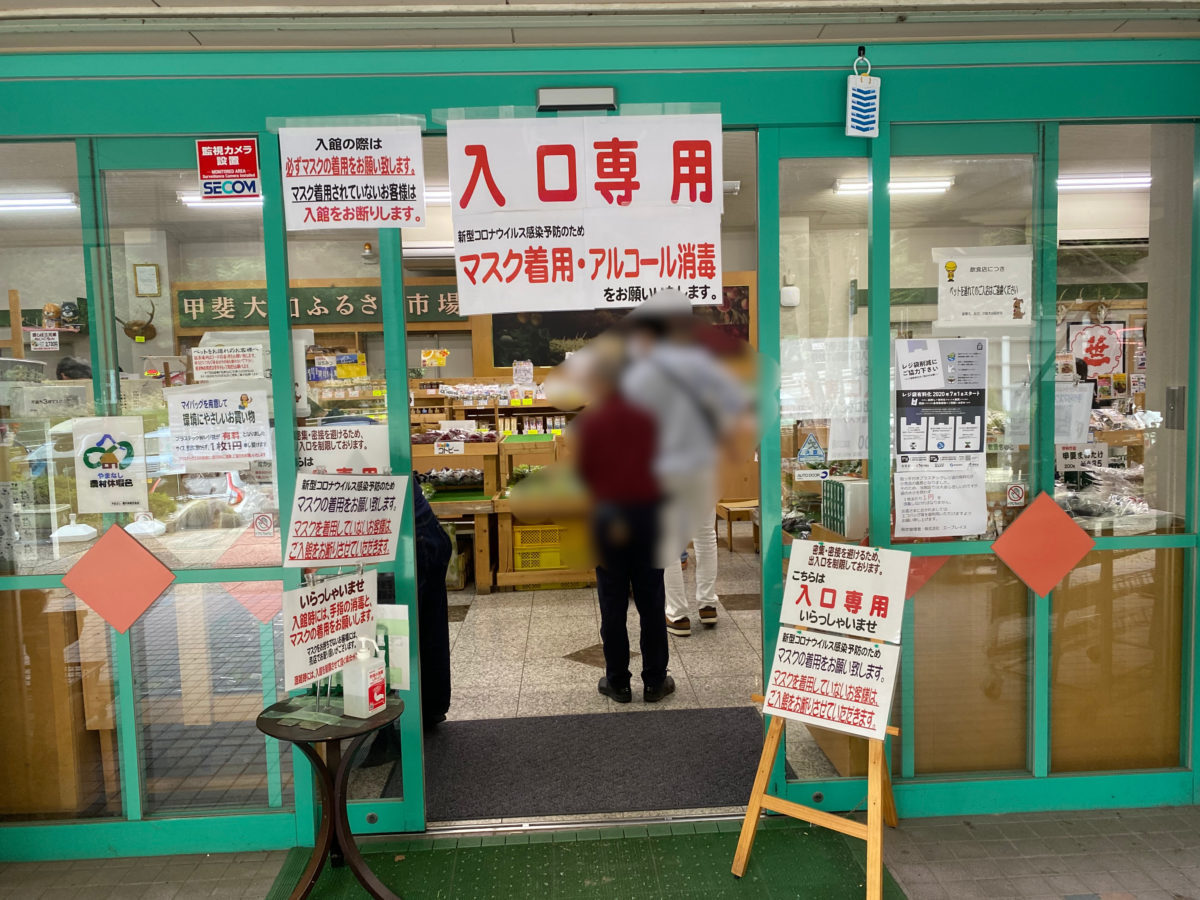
{"x":214,"y":306}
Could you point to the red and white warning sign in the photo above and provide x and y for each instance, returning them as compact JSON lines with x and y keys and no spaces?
{"x":1016,"y":494}
{"x":228,"y":168}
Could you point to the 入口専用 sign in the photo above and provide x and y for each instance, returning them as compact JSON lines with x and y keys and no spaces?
{"x":585,"y":213}
{"x":343,"y":449}
{"x":846,"y":589}
{"x":228,"y":168}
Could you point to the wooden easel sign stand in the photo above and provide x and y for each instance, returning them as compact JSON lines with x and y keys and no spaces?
{"x":881,"y":808}
{"x":834,"y":667}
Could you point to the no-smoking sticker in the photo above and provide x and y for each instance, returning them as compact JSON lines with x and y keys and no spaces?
{"x":1016,"y":495}
{"x":264,"y":525}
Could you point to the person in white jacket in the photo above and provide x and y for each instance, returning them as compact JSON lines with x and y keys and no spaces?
{"x":696,"y":404}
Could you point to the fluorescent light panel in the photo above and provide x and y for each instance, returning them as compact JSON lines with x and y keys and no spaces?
{"x":193,"y":199}
{"x":1100,"y":181}
{"x":862,"y":186}
{"x":38,"y":202}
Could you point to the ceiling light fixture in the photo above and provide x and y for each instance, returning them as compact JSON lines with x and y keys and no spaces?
{"x":1132,"y":181}
{"x":194,"y":200}
{"x":38,"y":202}
{"x":862,"y":186}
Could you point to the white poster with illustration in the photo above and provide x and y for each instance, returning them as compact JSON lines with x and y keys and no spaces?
{"x":219,"y":427}
{"x":984,"y":286}
{"x":110,"y":464}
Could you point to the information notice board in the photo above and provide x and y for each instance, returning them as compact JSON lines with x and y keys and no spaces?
{"x":840,"y":671}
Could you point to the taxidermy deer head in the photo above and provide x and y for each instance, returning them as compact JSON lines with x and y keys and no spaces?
{"x":136,"y":328}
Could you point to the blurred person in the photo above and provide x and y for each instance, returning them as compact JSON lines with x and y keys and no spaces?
{"x":696,"y":405}
{"x":615,"y":445}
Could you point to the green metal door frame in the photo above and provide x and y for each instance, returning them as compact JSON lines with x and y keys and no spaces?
{"x":793,"y":96}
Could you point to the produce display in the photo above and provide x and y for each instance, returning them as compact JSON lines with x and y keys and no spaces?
{"x":456,"y":434}
{"x":452,"y":477}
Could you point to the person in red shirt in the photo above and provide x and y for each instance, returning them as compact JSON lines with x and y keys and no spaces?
{"x":615,"y":448}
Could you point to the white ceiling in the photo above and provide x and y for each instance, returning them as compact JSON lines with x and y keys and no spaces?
{"x":54,"y":25}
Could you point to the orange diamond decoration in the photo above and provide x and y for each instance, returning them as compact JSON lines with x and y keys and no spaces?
{"x":1043,"y":545}
{"x":118,"y":578}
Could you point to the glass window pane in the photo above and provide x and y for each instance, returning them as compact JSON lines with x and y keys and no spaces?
{"x":970,"y":647}
{"x":823,"y":391}
{"x":961,"y":259}
{"x":58,"y":739}
{"x":188,"y":278}
{"x":1123,"y":358}
{"x":823,"y":348}
{"x":199,"y":656}
{"x":1116,"y":656}
{"x":45,"y":369}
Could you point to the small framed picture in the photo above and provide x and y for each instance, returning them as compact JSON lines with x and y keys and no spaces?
{"x":1104,"y":387}
{"x":145,"y":280}
{"x":1120,"y":384}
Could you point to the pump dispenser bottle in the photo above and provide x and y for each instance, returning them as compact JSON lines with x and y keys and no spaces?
{"x":365,"y":682}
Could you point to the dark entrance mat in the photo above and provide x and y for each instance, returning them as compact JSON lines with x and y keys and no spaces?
{"x":579,"y":764}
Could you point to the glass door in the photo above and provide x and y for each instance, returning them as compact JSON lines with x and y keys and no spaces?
{"x":205,"y":657}
{"x":819,"y":301}
{"x":184,"y":285}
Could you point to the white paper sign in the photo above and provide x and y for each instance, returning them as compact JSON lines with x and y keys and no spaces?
{"x":392,"y":620}
{"x":343,"y":449}
{"x":321,"y":624}
{"x":841,"y":683}
{"x":985,"y":285}
{"x":1078,"y":457}
{"x":352,"y":176}
{"x":583,"y":213}
{"x":110,"y":464}
{"x":825,"y":380}
{"x":846,"y":588}
{"x":219,"y":363}
{"x":221,"y":426}
{"x":43,"y":341}
{"x":941,"y":495}
{"x":340,"y":520}
{"x":1072,"y":412}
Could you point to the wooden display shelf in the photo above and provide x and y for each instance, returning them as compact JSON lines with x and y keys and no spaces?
{"x":1124,"y":437}
{"x":483,"y":456}
{"x":476,"y":505}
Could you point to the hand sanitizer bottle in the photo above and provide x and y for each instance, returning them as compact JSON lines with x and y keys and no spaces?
{"x":366,"y":682}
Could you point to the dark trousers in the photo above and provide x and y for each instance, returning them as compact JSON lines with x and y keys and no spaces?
{"x":626,"y":540}
{"x":433,"y":552}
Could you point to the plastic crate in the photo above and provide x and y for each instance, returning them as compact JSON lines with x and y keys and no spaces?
{"x":534,"y":560}
{"x":531,"y":537}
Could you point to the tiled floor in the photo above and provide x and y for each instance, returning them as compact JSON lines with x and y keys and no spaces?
{"x":1142,"y":854}
{"x":509,"y":651}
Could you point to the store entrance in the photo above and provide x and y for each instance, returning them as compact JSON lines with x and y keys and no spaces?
{"x":527,"y":735}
